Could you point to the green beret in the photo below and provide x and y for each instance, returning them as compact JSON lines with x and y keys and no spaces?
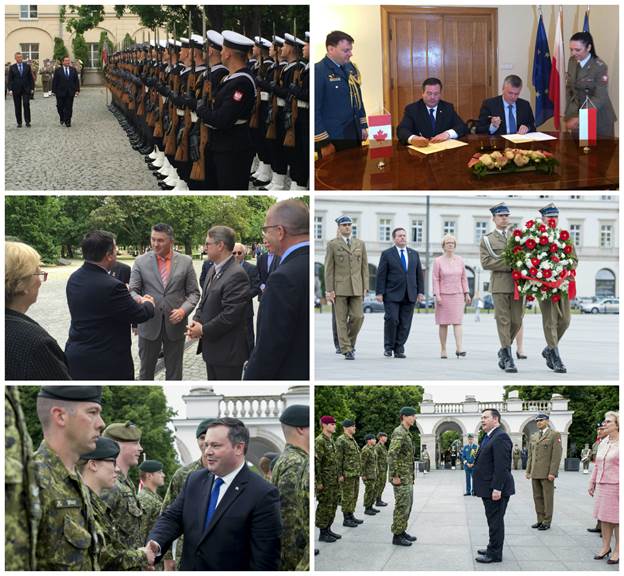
{"x":72,"y":393}
{"x":151,"y":466}
{"x":105,"y":449}
{"x":296,"y":415}
{"x":123,"y":432}
{"x":470,"y":435}
{"x":203,"y":426}
{"x":348,"y":423}
{"x":380,"y":434}
{"x":407,"y":411}
{"x":369,"y":437}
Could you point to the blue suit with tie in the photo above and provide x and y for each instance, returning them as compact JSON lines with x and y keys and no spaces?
{"x":20,"y":83}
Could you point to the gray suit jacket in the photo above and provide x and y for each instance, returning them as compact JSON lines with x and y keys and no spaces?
{"x":182,"y":291}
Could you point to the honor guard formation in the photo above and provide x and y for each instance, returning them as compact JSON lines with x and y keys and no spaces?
{"x":245,"y":128}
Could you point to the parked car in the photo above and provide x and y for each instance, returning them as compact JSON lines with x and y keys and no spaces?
{"x":370,"y":304}
{"x":488,"y":302}
{"x":604,"y":306}
{"x":577,"y":303}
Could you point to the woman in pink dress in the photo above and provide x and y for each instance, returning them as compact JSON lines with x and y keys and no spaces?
{"x":604,"y":486}
{"x":450,"y":289}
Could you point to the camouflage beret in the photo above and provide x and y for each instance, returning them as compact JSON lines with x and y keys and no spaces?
{"x":105,"y":449}
{"x":123,"y":432}
{"x":296,"y":415}
{"x":151,"y":466}
{"x":72,"y":393}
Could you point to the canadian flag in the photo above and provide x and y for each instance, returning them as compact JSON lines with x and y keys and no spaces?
{"x":380,"y":135}
{"x":556,"y":89}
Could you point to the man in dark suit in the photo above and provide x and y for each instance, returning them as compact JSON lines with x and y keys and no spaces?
{"x":400,"y":284}
{"x":204,"y":272}
{"x":240,"y":251}
{"x":282,"y":350}
{"x":493,"y":483}
{"x":65,"y":85}
{"x":507,"y":113}
{"x":121,"y":271}
{"x":21,"y":86}
{"x":220,"y":319}
{"x":266,"y":262}
{"x":102,"y":310}
{"x":229,"y":516}
{"x":430,"y":119}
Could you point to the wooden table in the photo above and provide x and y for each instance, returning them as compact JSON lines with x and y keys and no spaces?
{"x":407,"y":169}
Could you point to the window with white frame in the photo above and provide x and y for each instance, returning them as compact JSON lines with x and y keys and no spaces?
{"x":318,"y":227}
{"x":575,"y":234}
{"x":93,"y":60}
{"x":354,"y":227}
{"x":606,"y":236}
{"x":28,"y":11}
{"x":449,"y":227}
{"x":480,"y":230}
{"x":30,"y":51}
{"x":417,"y":229}
{"x":385,"y":229}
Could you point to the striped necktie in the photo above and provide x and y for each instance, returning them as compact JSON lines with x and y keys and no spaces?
{"x":164,"y":272}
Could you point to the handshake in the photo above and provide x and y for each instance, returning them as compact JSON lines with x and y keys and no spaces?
{"x":147,"y":298}
{"x":152,"y":550}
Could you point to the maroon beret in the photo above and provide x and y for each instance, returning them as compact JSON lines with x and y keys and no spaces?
{"x":328,"y":420}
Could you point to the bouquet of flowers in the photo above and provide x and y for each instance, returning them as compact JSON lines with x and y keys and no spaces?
{"x":542,"y":260}
{"x":512,"y":160}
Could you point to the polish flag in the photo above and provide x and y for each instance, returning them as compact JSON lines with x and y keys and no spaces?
{"x":380,"y":135}
{"x":556,"y":89}
{"x":588,"y":120}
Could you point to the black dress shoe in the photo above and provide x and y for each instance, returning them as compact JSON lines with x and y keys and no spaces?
{"x":409,"y":537}
{"x":68,"y":123}
{"x":536,"y":525}
{"x":610,"y":561}
{"x":398,"y":540}
{"x":19,"y":125}
{"x":399,"y":355}
{"x":602,"y":556}
{"x":255,"y":182}
{"x":388,"y":353}
{"x":336,"y":536}
{"x":467,"y":494}
{"x":349,"y":356}
{"x":482,"y":552}
{"x":460,"y":354}
{"x":546,"y":355}
{"x":595,"y":530}
{"x":316,"y":551}
{"x":487,"y":559}
{"x":521,"y":356}
{"x":338,"y":351}
{"x":544,"y":527}
{"x":27,"y":124}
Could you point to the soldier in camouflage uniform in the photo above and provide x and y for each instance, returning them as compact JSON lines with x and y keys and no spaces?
{"x":99,"y":471}
{"x":304,"y":563}
{"x":175,"y":487}
{"x":369,"y":474}
{"x":122,"y":498}
{"x":349,"y":469}
{"x":21,"y":493}
{"x":382,"y":468}
{"x":326,"y":485}
{"x":401,"y":472}
{"x":70,"y":418}
{"x":152,"y":477}
{"x":288,"y":475}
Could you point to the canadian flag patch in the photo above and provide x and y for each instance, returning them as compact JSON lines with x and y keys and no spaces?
{"x":238,"y":96}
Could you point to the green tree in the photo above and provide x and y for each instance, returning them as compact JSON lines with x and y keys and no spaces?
{"x":73,"y":222}
{"x":448,"y":438}
{"x":128,"y":40}
{"x":589,"y":404}
{"x":146,"y":406}
{"x":80,"y":48}
{"x":60,"y":51}
{"x":81,"y":18}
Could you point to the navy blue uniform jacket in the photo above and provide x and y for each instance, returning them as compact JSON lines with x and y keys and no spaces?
{"x":244,"y":532}
{"x":102,"y":310}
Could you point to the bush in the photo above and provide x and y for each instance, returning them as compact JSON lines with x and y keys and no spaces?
{"x":60,"y":51}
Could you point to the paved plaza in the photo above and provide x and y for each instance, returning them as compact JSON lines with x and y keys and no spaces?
{"x":52,"y":313}
{"x":451,"y":527}
{"x":589,"y":350}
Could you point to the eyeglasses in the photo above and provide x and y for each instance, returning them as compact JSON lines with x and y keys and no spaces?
{"x":44,"y":274}
{"x":266,"y":228}
{"x":237,"y":253}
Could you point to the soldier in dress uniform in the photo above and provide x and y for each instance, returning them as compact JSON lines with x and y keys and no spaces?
{"x":326,"y":483}
{"x":555,"y":315}
{"x":152,"y":477}
{"x":339,"y":115}
{"x":424,"y":456}
{"x":542,"y":468}
{"x":99,"y":471}
{"x":47,"y":71}
{"x":382,"y":468}
{"x":67,"y":537}
{"x":401,"y":474}
{"x":468,"y":456}
{"x":586,"y":458}
{"x":588,"y":77}
{"x":229,"y":145}
{"x":369,"y":474}
{"x":175,"y":487}
{"x":349,"y":470}
{"x":291,"y":476}
{"x":22,"y":509}
{"x":508,"y":312}
{"x":346,"y":283}
{"x":122,"y":498}
{"x":515,"y":456}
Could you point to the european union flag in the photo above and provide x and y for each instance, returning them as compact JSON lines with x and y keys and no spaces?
{"x":541,"y":76}
{"x":586,"y":22}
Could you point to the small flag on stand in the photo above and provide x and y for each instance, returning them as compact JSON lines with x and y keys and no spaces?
{"x":380,"y":135}
{"x":586,"y":20}
{"x":588,"y":122}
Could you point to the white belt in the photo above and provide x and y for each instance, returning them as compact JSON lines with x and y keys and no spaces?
{"x":180,"y":112}
{"x":302,"y":104}
{"x":193,"y":116}
{"x":146,"y":89}
{"x":239,"y":122}
{"x":281,"y":102}
{"x":264,"y":96}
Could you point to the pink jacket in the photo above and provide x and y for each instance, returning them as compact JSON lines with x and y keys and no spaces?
{"x":607,"y":468}
{"x":449,"y":276}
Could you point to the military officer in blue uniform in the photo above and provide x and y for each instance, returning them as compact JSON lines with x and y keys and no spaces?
{"x":340,"y":118}
{"x":468,"y":456}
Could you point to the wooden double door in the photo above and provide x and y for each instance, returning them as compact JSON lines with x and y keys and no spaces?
{"x":456,"y":45}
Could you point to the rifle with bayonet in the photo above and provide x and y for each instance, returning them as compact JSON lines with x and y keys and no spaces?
{"x":182,"y":152}
{"x":291,"y":116}
{"x":174,"y":78}
{"x":255,"y":120}
{"x":159,"y":115}
{"x":273,"y":112}
{"x":198,"y":171}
